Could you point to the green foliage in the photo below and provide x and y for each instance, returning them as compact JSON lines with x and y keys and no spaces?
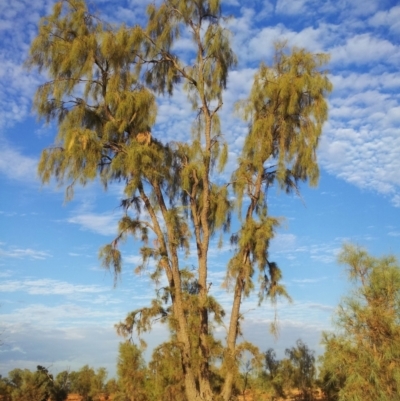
{"x":102,"y":88}
{"x":294,"y":374}
{"x":24,"y":385}
{"x":361,"y":361}
{"x":303,"y":370}
{"x":132,"y":374}
{"x":275,"y":373}
{"x":21,"y":385}
{"x":5,"y":389}
{"x":87,"y":382}
{"x":166,"y":376}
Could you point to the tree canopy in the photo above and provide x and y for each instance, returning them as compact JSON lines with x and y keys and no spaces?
{"x":102,"y":89}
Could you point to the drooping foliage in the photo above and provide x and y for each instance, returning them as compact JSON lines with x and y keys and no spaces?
{"x":361,"y":358}
{"x":102,"y":89}
{"x":286,"y":110}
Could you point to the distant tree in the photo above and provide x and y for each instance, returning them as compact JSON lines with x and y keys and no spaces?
{"x":15,"y":378}
{"x":303,"y":371}
{"x":98,"y":384}
{"x":131,"y":373}
{"x":62,"y":380}
{"x":5,"y":389}
{"x":81,"y":382}
{"x":362,"y":359}
{"x":34,"y":386}
{"x":102,"y":88}
{"x":29,"y":386}
{"x":274,"y":373}
{"x":111,"y":389}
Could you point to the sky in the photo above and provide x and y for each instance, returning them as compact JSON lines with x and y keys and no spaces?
{"x":58,"y":306}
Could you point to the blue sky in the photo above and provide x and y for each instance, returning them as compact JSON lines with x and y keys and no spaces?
{"x":58,"y":307}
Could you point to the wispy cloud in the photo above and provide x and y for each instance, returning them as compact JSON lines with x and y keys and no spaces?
{"x":27,"y":253}
{"x":309,"y":280}
{"x":49,"y":287}
{"x":16,"y":166}
{"x":103,"y":224}
{"x":6,"y":273}
{"x":364,"y":49}
{"x":389,"y":18}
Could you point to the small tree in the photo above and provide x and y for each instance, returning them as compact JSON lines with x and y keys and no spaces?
{"x":97,"y":384}
{"x":131,"y":372}
{"x":362,"y":359}
{"x":81,"y":382}
{"x":274,"y":374}
{"x":166,"y":376}
{"x":303,"y":369}
{"x":35,"y":386}
{"x":102,"y":88}
{"x":5,"y":389}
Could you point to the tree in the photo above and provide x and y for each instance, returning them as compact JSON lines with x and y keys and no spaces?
{"x":274,"y":374}
{"x":34,"y":386}
{"x":81,"y":382}
{"x":5,"y":389}
{"x":102,"y":93}
{"x":303,"y":369}
{"x":166,"y":373}
{"x":98,"y":384}
{"x":362,"y":359}
{"x":131,"y":371}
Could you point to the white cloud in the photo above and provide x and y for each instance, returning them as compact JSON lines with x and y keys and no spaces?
{"x":16,"y":166}
{"x":362,"y":8}
{"x":49,"y":287}
{"x":364,"y":49}
{"x":103,"y":224}
{"x":358,"y":83}
{"x":283,"y":243}
{"x":232,"y":3}
{"x":266,"y":12}
{"x":365,"y":158}
{"x":396,"y":200}
{"x":309,"y":280}
{"x":19,"y":253}
{"x":389,"y":18}
{"x":290,"y":6}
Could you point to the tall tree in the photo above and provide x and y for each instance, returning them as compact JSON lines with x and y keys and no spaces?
{"x":362,"y":359}
{"x":102,"y":92}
